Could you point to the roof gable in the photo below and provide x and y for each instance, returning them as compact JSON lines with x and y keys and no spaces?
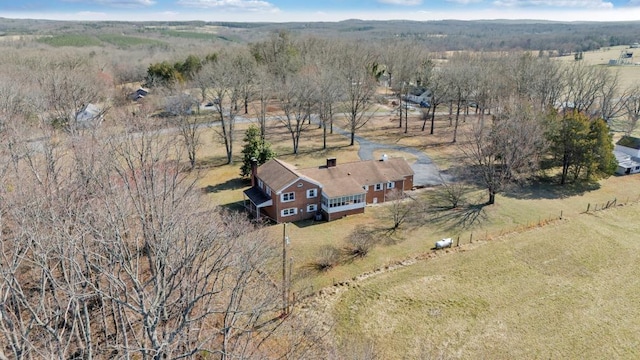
{"x":630,"y":142}
{"x":279,"y":175}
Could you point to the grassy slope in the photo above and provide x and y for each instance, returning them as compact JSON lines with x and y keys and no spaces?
{"x":568,"y":290}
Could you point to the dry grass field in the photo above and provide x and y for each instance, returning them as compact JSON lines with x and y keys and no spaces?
{"x":531,"y":285}
{"x":565,"y":291}
{"x":629,"y":75}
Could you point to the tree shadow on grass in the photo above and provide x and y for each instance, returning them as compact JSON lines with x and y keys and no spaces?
{"x":456,"y":219}
{"x":211,"y":162}
{"x":549,"y":188}
{"x":237,"y":206}
{"x":232,"y":184}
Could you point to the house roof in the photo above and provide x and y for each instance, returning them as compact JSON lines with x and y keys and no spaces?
{"x":88,"y":112}
{"x":337,"y":181}
{"x":630,"y":142}
{"x":278,"y":175}
{"x":257,"y":197}
{"x":340,"y":180}
{"x":626,"y":161}
{"x":349,"y":178}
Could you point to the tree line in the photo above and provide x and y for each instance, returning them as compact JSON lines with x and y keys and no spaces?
{"x":529,"y":109}
{"x":107,"y":247}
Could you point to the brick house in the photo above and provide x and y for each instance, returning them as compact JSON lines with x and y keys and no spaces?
{"x":283,"y":193}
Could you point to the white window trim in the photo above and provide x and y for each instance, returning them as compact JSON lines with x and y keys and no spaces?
{"x":379,"y":187}
{"x":315,"y":193}
{"x":292,"y":198}
{"x":260,"y":184}
{"x":289,"y":212}
{"x":366,"y":187}
{"x":312,"y":207}
{"x":268,"y":191}
{"x":391,"y":185}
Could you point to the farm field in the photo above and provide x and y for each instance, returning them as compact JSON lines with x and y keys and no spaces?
{"x":628,"y":75}
{"x":569,"y":290}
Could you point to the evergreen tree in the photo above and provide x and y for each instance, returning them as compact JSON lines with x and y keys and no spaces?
{"x":254,"y":148}
{"x":583,"y":147}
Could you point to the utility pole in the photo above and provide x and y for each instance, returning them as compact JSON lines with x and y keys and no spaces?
{"x":285,"y":292}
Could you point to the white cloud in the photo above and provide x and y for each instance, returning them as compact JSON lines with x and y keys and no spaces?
{"x":464,"y":2}
{"x":401,"y":2}
{"x":232,"y":5}
{"x":579,"y":4}
{"x":117,"y":3}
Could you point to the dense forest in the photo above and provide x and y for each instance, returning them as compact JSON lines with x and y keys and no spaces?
{"x":444,"y":35}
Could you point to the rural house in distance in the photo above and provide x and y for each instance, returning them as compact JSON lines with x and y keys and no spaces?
{"x":283,"y":193}
{"x":627,"y":152}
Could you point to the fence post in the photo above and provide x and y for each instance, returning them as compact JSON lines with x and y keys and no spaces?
{"x":560,"y":214}
{"x":471,"y":238}
{"x":588,"y":207}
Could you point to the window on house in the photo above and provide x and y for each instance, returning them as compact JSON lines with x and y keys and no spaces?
{"x":391,"y":185}
{"x":288,"y":197}
{"x":289,"y":212}
{"x":366,"y":187}
{"x":312,"y":207}
{"x":379,"y":186}
{"x":268,"y":191}
{"x":311,"y":193}
{"x":260,"y":184}
{"x":345,"y":200}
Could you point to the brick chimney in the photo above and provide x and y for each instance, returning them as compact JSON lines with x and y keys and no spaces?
{"x":331,"y":162}
{"x":254,"y":171}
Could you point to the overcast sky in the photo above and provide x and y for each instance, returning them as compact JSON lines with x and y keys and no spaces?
{"x":321,"y":10}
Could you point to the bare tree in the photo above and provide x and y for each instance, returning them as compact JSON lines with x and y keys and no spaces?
{"x":400,"y":207}
{"x":263,"y":93}
{"x":437,"y":85}
{"x":538,"y":79}
{"x":279,"y":54}
{"x":297,"y":99}
{"x":126,"y":258}
{"x":187,"y":126}
{"x":358,"y":85}
{"x":583,"y":85}
{"x":328,"y":95}
{"x":631,"y":109}
{"x":460,"y":74}
{"x":404,"y":60}
{"x":507,"y":150}
{"x":225,"y":94}
{"x":67,"y":87}
{"x":246,"y":70}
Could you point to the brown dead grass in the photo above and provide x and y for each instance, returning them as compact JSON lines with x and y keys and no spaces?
{"x":447,"y":306}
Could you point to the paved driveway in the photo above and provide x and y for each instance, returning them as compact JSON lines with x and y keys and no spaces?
{"x":425,"y":171}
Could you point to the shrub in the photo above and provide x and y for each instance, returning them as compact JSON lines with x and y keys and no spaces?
{"x":328,"y":257}
{"x":360,"y":242}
